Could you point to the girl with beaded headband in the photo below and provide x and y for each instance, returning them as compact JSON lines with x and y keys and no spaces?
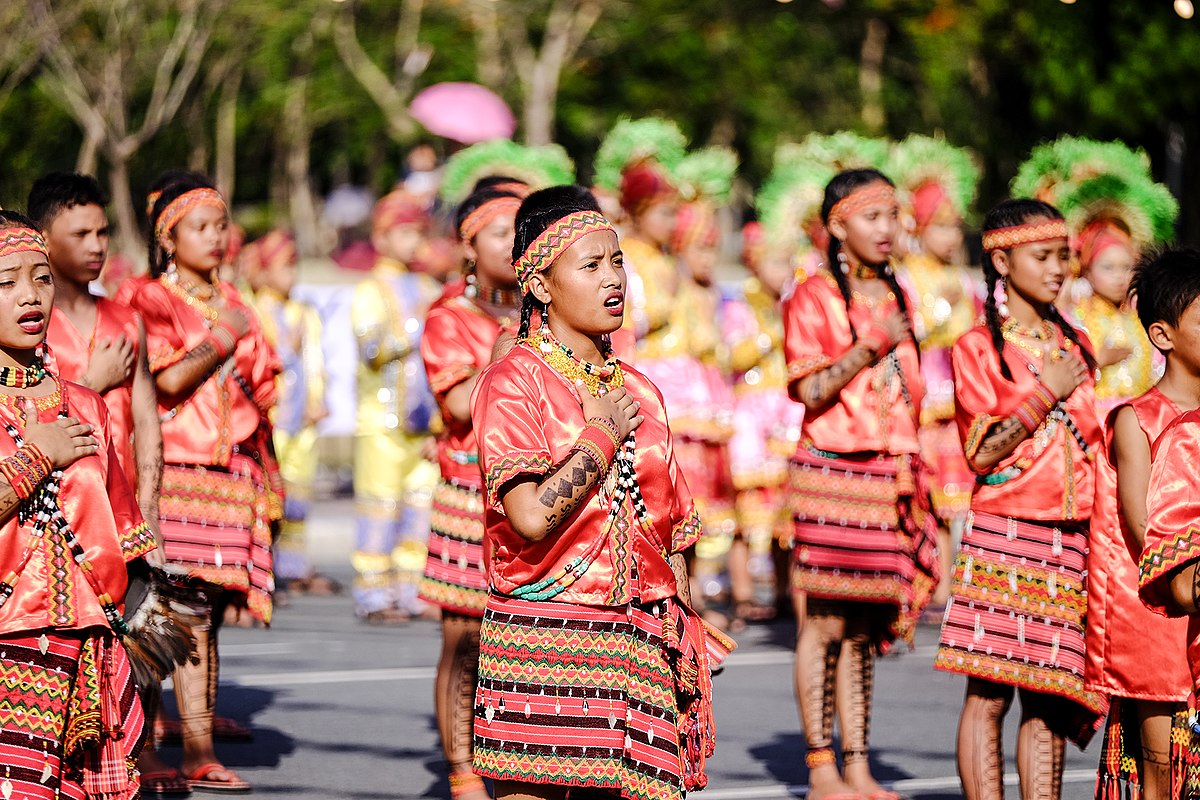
{"x":461,"y":331}
{"x":587,"y":518}
{"x":221,"y":492}
{"x":1025,"y":408}
{"x":853,"y":364}
{"x":69,"y":525}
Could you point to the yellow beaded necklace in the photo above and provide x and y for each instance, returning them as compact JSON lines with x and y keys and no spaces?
{"x":598,"y":380}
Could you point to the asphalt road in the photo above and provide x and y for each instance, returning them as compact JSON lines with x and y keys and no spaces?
{"x":345,"y":710}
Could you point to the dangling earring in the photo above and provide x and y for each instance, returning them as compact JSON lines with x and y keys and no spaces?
{"x":544,"y":325}
{"x":843,"y":261}
{"x":1002,"y":296}
{"x":472,"y":291}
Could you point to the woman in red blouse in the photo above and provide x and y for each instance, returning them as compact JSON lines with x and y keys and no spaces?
{"x":593,"y":671}
{"x":460,"y":332}
{"x":1025,"y":408}
{"x":864,"y":537}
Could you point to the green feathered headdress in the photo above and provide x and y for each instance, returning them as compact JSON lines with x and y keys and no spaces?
{"x":547,"y":165}
{"x":1054,"y":169}
{"x":1146,"y":209}
{"x":838,"y":151}
{"x":919,"y":160}
{"x":707,"y":174}
{"x":791,"y":197}
{"x":634,"y":140}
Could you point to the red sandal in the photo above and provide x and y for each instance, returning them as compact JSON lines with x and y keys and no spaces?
{"x":214,"y":777}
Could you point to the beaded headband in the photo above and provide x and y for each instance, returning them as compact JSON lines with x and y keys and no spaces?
{"x":481,"y":217}
{"x":861,"y":199}
{"x":555,"y":240}
{"x":1017,"y":235}
{"x":178,"y":208}
{"x":21,"y":240}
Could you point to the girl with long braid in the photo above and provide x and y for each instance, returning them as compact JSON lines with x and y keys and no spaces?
{"x":460,"y":332}
{"x":864,"y":535}
{"x":587,"y":519}
{"x":1025,"y":406}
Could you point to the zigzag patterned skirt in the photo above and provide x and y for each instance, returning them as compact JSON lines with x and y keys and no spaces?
{"x":455,"y":578}
{"x":576,"y":695}
{"x":1016,"y":612}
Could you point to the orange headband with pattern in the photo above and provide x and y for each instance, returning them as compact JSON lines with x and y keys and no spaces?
{"x":1017,"y":235}
{"x":873,"y":193}
{"x":178,"y":208}
{"x":555,"y":240}
{"x":21,"y":240}
{"x":481,"y":217}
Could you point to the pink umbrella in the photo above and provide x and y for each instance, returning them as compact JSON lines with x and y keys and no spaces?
{"x":464,"y":112}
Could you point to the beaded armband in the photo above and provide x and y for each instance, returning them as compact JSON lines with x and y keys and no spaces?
{"x":598,"y":440}
{"x":1035,"y":408}
{"x":25,"y":469}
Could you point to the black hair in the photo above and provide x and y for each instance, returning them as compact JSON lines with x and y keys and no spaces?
{"x":1010,"y":213}
{"x":476,"y":199}
{"x":538,"y":212}
{"x":15,"y":219}
{"x":55,"y":192}
{"x":839,"y":188}
{"x":1164,"y":284}
{"x":492,"y":181}
{"x":180,"y":182}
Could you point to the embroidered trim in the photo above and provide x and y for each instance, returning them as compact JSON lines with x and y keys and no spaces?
{"x":510,"y":467}
{"x":1017,"y":235}
{"x":687,"y":531}
{"x":22,"y":240}
{"x":481,"y":217}
{"x":555,"y":240}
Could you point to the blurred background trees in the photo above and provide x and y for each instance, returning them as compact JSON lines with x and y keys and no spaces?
{"x":283,"y":100}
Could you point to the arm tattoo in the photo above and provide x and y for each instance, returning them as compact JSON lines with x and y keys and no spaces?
{"x":566,"y":486}
{"x":683,"y":585}
{"x":821,"y":387}
{"x":147,"y":438}
{"x":1002,"y":439}
{"x":196,"y":366}
{"x":1195,"y":588}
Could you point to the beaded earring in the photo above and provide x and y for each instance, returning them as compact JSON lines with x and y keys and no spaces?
{"x":843,"y":261}
{"x":472,"y":291}
{"x":1002,"y":296}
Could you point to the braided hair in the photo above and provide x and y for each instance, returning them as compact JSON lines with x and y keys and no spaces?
{"x":1008,"y":214}
{"x":178,"y":183}
{"x":538,"y":212}
{"x":841,"y":186}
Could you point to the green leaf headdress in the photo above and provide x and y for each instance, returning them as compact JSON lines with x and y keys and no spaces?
{"x":632,"y":141}
{"x":547,"y":165}
{"x":1054,"y":169}
{"x":707,"y":174}
{"x":918,"y":161}
{"x":790,"y":198}
{"x":838,"y":151}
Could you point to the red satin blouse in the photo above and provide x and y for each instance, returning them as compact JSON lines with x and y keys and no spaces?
{"x":456,"y":345}
{"x":1172,"y":510}
{"x":1120,"y":629}
{"x":72,"y":350}
{"x":528,"y":416}
{"x":1056,"y":481}
{"x":50,"y":590}
{"x":871,"y":413}
{"x":223,"y":411}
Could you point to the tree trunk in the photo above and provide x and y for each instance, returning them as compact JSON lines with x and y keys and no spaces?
{"x":225,"y":144}
{"x":297,"y":139}
{"x":870,"y":75}
{"x":193,"y":123}
{"x":541,"y":95}
{"x":127,"y":238}
{"x":85,"y":162}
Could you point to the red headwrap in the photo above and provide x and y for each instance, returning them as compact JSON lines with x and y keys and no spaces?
{"x":398,"y":208}
{"x":926,"y":201}
{"x":752,"y":244}
{"x":1097,"y":237}
{"x":694,"y":224}
{"x":644,"y":184}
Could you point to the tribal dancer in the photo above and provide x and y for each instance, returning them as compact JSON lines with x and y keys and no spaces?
{"x":1026,"y":412}
{"x":939,"y":184}
{"x":1146,"y":741}
{"x":460,"y":333}
{"x":100,"y":344}
{"x":864,"y":533}
{"x":215,"y":375}
{"x":293,"y":328}
{"x":587,"y":518}
{"x":73,"y":724}
{"x":394,"y":475}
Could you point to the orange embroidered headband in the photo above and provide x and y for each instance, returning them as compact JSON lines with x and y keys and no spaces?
{"x":555,"y":240}
{"x":178,"y":208}
{"x":1017,"y":235}
{"x":859,"y":200}
{"x":21,"y":240}
{"x":481,"y":217}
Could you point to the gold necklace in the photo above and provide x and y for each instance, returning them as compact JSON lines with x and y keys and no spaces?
{"x":1017,"y":335}
{"x":209,"y":313}
{"x":598,"y":380}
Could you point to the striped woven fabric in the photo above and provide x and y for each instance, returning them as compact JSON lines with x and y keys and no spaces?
{"x":57,"y":713}
{"x":216,"y":523}
{"x":455,"y":577}
{"x":1016,"y":612}
{"x":577,"y":696}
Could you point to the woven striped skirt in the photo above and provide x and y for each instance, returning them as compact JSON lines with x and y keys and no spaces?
{"x":863,"y":532}
{"x":1017,"y":608}
{"x":577,"y":696}
{"x":455,"y":577}
{"x":216,"y":522}
{"x":58,"y":710}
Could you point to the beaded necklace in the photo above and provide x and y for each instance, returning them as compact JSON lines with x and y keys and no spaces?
{"x":1018,"y":335}
{"x":186,"y":294}
{"x":23,"y":377}
{"x":42,"y":511}
{"x":599,"y":380}
{"x":489,"y":294}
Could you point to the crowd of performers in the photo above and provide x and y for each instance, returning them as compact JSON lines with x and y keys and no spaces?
{"x":578,"y":448}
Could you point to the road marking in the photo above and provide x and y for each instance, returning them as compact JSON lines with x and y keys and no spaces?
{"x":316,"y":677}
{"x":766,"y":791}
{"x":772,"y":658}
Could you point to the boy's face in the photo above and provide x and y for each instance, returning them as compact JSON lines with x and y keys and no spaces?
{"x":1183,"y":337}
{"x":399,"y":242}
{"x":78,"y":243}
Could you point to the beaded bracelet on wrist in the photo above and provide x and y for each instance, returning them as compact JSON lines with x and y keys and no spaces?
{"x":609,"y":428}
{"x":25,"y":470}
{"x":598,"y":442}
{"x":1034,"y":408}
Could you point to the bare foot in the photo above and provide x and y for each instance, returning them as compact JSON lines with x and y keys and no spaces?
{"x":824,"y":783}
{"x":858,"y":776}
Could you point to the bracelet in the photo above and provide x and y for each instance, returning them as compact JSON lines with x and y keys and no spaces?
{"x":609,"y":427}
{"x":1034,"y":408}
{"x":219,"y":345}
{"x":25,"y":469}
{"x":225,"y":326}
{"x":598,"y":443}
{"x":819,"y":757}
